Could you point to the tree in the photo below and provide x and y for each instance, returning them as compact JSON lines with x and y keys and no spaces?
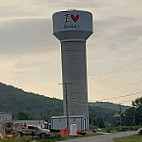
{"x":134,"y":114}
{"x":139,"y":116}
{"x":130,"y":116}
{"x":22,"y":115}
{"x":100,"y":122}
{"x":137,"y":103}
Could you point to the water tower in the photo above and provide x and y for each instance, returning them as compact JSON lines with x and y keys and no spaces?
{"x":73,"y":28}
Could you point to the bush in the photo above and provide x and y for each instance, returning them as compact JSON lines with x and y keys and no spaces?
{"x":135,"y":128}
{"x":123,"y":128}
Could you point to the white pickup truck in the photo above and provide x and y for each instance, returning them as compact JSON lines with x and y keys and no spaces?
{"x":34,"y":130}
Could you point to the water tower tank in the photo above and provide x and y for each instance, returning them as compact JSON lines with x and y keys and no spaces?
{"x":72,"y":28}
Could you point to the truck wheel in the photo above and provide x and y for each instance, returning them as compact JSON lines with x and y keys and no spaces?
{"x":43,"y":135}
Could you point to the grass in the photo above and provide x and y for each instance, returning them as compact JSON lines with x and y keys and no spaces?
{"x":90,"y":133}
{"x":134,"y":138}
{"x":29,"y":139}
{"x":19,"y":139}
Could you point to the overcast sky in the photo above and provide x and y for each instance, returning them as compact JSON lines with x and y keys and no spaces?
{"x":30,"y":55}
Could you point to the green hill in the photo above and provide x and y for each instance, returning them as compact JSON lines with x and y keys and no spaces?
{"x":101,"y":113}
{"x":24,"y":105}
{"x":109,"y":105}
{"x":13,"y":100}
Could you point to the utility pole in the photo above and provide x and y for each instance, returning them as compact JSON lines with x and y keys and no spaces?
{"x":120,"y":115}
{"x":67,"y":114}
{"x":66,"y":98}
{"x":134,"y":119}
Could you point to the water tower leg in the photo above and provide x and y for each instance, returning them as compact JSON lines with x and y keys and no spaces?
{"x":74,"y":73}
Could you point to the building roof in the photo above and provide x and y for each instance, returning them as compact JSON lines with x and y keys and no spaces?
{"x":75,"y":116}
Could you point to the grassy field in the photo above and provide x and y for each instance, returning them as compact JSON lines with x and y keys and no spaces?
{"x":23,"y":139}
{"x":29,"y":139}
{"x":134,"y":138}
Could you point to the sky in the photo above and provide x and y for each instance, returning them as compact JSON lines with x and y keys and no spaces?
{"x":30,"y":55}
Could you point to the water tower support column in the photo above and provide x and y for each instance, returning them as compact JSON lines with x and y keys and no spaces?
{"x":74,"y":71}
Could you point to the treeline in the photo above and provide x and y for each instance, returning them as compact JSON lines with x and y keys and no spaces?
{"x":132,"y":116}
{"x":23,"y":105}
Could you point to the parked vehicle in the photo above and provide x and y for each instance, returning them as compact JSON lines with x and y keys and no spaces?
{"x":34,"y":130}
{"x":140,"y":131}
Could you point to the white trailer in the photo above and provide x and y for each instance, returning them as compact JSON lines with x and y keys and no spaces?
{"x":60,"y":122}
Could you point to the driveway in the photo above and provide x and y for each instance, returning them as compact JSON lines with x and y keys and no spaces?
{"x":102,"y":138}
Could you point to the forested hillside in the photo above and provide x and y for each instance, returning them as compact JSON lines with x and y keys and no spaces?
{"x":24,"y":105}
{"x":14,"y":100}
{"x":109,"y":105}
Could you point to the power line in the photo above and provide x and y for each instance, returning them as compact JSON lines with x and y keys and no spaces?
{"x":118,"y":69}
{"x":126,"y":101}
{"x":130,"y":84}
{"x":118,"y":75}
{"x":123,"y":102}
{"x":124,"y":66}
{"x":119,"y":96}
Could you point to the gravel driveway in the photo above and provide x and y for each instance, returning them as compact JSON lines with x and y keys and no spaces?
{"x":102,"y":138}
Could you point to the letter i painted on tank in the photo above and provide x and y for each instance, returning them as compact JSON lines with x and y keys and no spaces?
{"x":67,"y":18}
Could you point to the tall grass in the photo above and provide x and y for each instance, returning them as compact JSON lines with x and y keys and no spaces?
{"x":19,"y":139}
{"x":29,"y":139}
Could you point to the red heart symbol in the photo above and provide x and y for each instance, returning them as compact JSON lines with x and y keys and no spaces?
{"x":75,"y":18}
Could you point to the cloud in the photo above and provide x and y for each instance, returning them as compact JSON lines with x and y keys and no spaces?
{"x":118,"y":36}
{"x":26,"y":35}
{"x":30,"y":54}
{"x":84,"y":4}
{"x":133,"y":31}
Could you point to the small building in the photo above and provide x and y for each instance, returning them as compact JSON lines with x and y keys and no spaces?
{"x":5,"y":117}
{"x":59,"y":122}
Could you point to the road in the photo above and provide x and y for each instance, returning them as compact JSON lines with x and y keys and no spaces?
{"x":102,"y":138}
